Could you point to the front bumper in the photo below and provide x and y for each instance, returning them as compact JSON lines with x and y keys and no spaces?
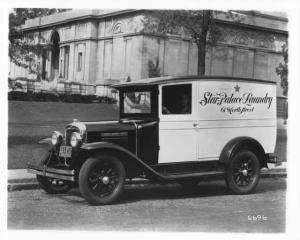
{"x":64,"y":174}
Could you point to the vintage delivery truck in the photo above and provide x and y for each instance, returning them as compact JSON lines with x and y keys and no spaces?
{"x":179,"y":129}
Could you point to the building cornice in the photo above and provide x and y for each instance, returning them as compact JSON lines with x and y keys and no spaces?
{"x":250,"y":26}
{"x":269,"y":16}
{"x":76,"y":19}
{"x":91,"y":17}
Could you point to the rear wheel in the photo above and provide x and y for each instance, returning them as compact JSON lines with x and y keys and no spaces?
{"x":243,"y":172}
{"x":101,"y":179}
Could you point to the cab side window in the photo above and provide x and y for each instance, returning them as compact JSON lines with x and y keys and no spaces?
{"x":177,"y":99}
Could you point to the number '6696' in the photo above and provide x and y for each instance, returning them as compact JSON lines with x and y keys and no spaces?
{"x":257,"y":218}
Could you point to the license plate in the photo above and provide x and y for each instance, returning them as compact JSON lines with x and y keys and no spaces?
{"x":65,"y":151}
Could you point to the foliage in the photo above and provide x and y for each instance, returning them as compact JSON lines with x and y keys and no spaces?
{"x":200,"y":25}
{"x":282,"y":69}
{"x":22,"y":48}
{"x":153,"y":68}
{"x":55,"y":97}
{"x":12,"y":84}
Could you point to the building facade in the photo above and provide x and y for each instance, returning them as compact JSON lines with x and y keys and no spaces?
{"x":101,"y":47}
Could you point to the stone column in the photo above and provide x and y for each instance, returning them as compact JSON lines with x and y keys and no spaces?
{"x":71,"y":63}
{"x":48,"y":64}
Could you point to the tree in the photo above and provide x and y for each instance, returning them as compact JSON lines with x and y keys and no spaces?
{"x":282,"y":69}
{"x":199,"y":24}
{"x":153,"y":68}
{"x":22,"y":50}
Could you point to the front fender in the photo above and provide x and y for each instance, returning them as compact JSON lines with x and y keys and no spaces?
{"x":46,"y":141}
{"x":111,"y":146}
{"x":100,"y":145}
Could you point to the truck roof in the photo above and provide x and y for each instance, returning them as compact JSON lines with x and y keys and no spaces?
{"x":177,"y":79}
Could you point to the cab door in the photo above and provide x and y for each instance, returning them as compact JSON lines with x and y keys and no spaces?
{"x":178,"y":122}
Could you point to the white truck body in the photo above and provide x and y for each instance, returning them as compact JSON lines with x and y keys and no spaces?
{"x":222,"y":109}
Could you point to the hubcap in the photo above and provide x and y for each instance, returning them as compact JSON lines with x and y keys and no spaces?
{"x":104,"y":179}
{"x":243,"y":172}
{"x":57,"y":183}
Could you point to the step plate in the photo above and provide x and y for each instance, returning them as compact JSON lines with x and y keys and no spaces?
{"x":173,"y":176}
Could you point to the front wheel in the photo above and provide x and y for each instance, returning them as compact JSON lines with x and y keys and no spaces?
{"x":101,"y":179}
{"x":52,"y":185}
{"x":243,"y":172}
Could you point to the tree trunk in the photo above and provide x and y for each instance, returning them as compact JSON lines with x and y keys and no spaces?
{"x":201,"y":43}
{"x":201,"y":58}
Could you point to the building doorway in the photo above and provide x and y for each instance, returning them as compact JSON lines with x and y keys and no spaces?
{"x":54,"y":55}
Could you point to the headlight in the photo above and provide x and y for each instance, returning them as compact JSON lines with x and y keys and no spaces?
{"x":56,"y":138}
{"x":76,"y":139}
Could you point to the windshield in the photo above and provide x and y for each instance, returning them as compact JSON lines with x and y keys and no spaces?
{"x":137,"y":102}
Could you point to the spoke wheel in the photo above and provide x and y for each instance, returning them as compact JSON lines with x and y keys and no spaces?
{"x":51,"y":185}
{"x":243,"y":172}
{"x":101,"y":179}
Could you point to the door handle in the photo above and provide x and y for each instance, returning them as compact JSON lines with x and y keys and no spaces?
{"x":195,"y":124}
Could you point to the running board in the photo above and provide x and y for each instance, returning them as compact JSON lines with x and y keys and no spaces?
{"x":193,"y":175}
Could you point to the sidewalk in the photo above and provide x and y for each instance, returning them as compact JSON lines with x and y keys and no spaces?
{"x":19,"y":179}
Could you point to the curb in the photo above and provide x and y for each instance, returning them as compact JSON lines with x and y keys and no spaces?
{"x":31,"y":184}
{"x":278,"y":174}
{"x":22,"y":186}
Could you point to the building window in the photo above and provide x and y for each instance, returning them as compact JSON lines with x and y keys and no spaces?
{"x":44,"y":58}
{"x":66,"y":62}
{"x":79,"y":62}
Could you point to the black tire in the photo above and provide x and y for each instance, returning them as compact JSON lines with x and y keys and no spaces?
{"x":243,"y":172}
{"x":188,"y":184}
{"x":51,"y":185}
{"x":101,"y":179}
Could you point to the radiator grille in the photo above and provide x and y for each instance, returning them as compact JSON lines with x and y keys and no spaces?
{"x":69,"y":132}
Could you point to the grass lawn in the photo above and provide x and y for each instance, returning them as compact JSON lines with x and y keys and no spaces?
{"x":58,"y":112}
{"x":29,"y":122}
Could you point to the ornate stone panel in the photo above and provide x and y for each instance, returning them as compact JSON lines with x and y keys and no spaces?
{"x":66,"y":33}
{"x":108,"y":27}
{"x":80,"y":30}
{"x":118,"y":28}
{"x":252,"y":38}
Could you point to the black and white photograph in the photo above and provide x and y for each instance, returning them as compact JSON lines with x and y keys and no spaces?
{"x":156,"y":119}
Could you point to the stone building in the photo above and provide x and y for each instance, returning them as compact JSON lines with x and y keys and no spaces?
{"x":100,"y":47}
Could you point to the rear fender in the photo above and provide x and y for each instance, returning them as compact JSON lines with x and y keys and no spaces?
{"x":237,"y":144}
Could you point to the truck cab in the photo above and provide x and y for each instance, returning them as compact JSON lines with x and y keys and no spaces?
{"x":183,"y":129}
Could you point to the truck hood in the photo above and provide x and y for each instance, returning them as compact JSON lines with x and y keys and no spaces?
{"x":108,"y":126}
{"x":118,"y":126}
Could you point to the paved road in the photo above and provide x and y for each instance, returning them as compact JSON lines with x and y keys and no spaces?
{"x":155,"y":208}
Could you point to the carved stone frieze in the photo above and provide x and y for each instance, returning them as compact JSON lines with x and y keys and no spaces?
{"x":118,"y":28}
{"x":108,"y":26}
{"x":251,"y":38}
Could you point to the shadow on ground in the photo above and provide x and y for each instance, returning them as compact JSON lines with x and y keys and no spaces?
{"x":159,"y":191}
